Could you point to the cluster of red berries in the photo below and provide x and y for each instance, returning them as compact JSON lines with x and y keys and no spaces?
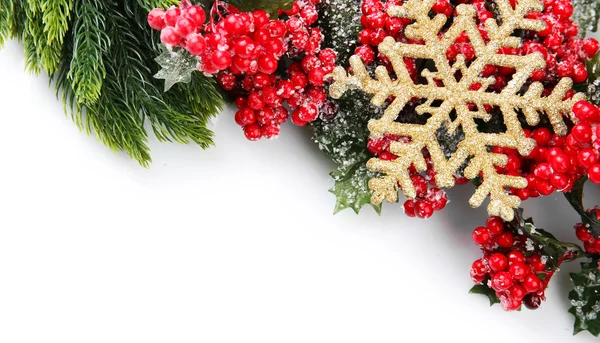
{"x":244,"y":49}
{"x":591,"y":243}
{"x":428,"y":199}
{"x":557,"y":162}
{"x":511,"y":265}
{"x":377,"y":26}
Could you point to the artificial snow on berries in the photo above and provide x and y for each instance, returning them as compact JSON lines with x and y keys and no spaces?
{"x":244,"y":50}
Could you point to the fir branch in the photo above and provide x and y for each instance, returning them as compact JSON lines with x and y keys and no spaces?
{"x":5,"y":14}
{"x":56,"y":17}
{"x":148,"y":5}
{"x":17,"y":22}
{"x":87,"y":70}
{"x":40,"y":52}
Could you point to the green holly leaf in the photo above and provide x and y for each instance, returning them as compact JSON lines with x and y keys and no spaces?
{"x":585,"y":298}
{"x":575,"y":198}
{"x":541,"y":240}
{"x":351,"y":188}
{"x":587,"y":14}
{"x":177,"y":66}
{"x":269,"y":6}
{"x":485,"y":290}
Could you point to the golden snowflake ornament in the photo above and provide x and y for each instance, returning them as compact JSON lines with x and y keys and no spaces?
{"x":454,"y":96}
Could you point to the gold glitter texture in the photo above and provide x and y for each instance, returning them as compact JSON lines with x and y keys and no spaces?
{"x":455,"y":96}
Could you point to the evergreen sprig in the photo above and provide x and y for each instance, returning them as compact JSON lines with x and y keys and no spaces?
{"x":100,"y":55}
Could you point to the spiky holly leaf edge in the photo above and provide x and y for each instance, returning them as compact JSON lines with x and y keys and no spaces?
{"x":585,"y":298}
{"x":351,"y":188}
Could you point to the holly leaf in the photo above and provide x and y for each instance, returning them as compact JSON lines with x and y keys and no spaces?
{"x":177,"y":66}
{"x":593,"y":83}
{"x":539,"y":239}
{"x":587,"y":14}
{"x":485,"y":290}
{"x":269,"y":6}
{"x":351,"y":188}
{"x":585,"y":298}
{"x":575,"y":198}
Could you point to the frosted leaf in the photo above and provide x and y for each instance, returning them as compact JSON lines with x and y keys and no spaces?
{"x":177,"y":66}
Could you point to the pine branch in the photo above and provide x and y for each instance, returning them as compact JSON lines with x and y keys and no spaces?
{"x":5,"y":13}
{"x":56,"y":16}
{"x":40,"y":52}
{"x":87,"y":67}
{"x":148,"y":5}
{"x":17,"y":22}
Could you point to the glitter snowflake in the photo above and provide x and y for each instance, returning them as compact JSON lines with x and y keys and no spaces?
{"x":450,"y":101}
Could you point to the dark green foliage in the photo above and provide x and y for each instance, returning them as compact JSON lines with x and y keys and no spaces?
{"x":587,"y":14}
{"x":340,"y":22}
{"x":270,"y":6}
{"x":483,"y":289}
{"x":87,"y":70}
{"x":5,"y":14}
{"x":100,"y":56}
{"x":575,"y":198}
{"x":344,"y":140}
{"x":585,"y":298}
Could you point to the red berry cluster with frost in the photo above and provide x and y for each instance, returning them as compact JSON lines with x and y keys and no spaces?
{"x":429,"y":197}
{"x":557,"y":162}
{"x":511,"y":265}
{"x":591,"y":243}
{"x":244,"y":49}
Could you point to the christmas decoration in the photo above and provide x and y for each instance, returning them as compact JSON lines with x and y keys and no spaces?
{"x":426,"y":94}
{"x":456,"y":95}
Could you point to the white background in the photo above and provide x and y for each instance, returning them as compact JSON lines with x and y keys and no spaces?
{"x":234,"y":244}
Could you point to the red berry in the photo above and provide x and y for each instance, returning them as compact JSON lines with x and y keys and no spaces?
{"x":423,"y":209}
{"x":582,"y":132}
{"x":221,"y":59}
{"x":501,"y":281}
{"x":261,"y":18}
{"x":481,"y":236}
{"x":170,"y":36}
{"x":590,"y":47}
{"x":582,"y":233}
{"x":267,"y":64}
{"x":479,"y":268}
{"x":517,"y":292}
{"x":505,"y":240}
{"x":585,"y":111}
{"x":252,"y":132}
{"x":516,"y":256}
{"x":195,"y":44}
{"x":531,"y":283}
{"x":156,"y":19}
{"x":536,"y":263}
{"x":255,"y":101}
{"x":495,"y":225}
{"x":532,"y":301}
{"x":185,"y":26}
{"x":409,"y":208}
{"x":587,"y":157}
{"x":172,"y":15}
{"x":269,"y":131}
{"x":234,"y":24}
{"x":594,"y":173}
{"x":197,"y":14}
{"x":498,"y":262}
{"x":518,"y":270}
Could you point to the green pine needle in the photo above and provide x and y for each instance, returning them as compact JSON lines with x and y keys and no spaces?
{"x":90,"y":43}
